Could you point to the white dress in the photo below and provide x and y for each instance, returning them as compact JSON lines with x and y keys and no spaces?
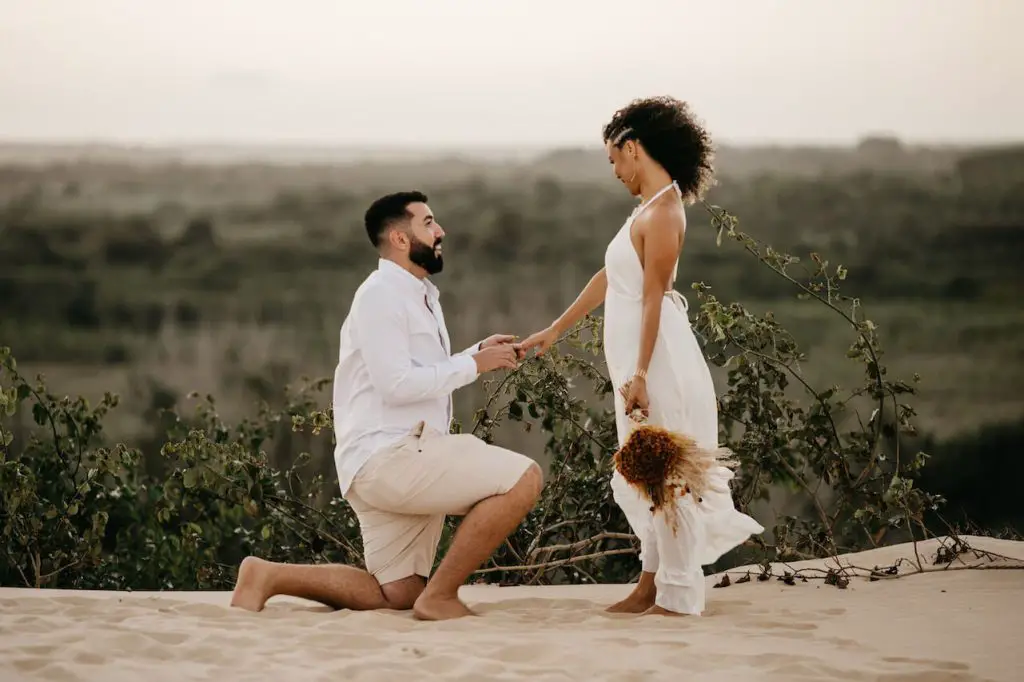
{"x":682,"y":399}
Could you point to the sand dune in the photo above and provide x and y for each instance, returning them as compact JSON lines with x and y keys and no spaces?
{"x":940,"y":626}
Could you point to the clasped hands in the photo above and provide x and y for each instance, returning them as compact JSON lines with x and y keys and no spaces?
{"x":501,"y":351}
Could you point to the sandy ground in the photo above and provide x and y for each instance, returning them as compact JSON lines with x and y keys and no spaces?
{"x":938,"y":626}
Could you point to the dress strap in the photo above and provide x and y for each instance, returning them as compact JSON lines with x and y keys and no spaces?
{"x":672,"y":185}
{"x":679,"y":300}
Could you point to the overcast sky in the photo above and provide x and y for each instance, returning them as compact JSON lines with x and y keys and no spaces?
{"x":506,"y":72}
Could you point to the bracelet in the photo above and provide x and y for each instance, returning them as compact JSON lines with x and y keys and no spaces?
{"x":642,"y":373}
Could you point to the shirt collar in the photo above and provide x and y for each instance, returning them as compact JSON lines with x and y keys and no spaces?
{"x":406,"y":279}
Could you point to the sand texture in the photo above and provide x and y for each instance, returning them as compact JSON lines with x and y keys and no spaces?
{"x":935,"y":627}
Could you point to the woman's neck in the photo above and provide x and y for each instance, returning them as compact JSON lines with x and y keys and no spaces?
{"x":650,"y":186}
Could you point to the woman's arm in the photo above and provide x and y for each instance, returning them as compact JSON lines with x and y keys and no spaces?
{"x":661,"y":242}
{"x":591,"y":297}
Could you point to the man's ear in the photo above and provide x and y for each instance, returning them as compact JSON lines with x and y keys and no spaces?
{"x":398,"y":239}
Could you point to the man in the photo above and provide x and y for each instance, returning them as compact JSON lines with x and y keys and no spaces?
{"x":398,"y":466}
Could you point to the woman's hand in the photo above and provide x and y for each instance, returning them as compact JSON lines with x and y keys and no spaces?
{"x":634,"y":393}
{"x":542,"y":340}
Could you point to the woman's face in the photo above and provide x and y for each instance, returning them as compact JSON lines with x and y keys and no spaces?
{"x":625,"y":164}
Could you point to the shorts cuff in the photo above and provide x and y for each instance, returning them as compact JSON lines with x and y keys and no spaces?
{"x":399,"y":571}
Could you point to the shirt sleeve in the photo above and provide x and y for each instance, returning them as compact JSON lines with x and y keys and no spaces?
{"x":382,"y":329}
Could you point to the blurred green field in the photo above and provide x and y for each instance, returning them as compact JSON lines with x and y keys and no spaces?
{"x":968,"y":356}
{"x":154,"y":280}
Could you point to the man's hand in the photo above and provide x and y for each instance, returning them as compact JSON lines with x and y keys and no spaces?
{"x":496,"y":340}
{"x":497,"y":356}
{"x":502,"y":339}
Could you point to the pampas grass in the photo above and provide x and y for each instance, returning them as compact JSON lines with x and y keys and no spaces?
{"x":664,"y":465}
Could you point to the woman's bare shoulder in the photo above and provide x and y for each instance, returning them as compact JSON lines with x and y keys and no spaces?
{"x":664,"y":218}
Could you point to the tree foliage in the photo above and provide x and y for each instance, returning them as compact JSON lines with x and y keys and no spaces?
{"x":78,"y":511}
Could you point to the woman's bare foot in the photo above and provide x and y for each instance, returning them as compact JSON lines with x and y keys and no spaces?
{"x":659,"y":611}
{"x":251,"y":587}
{"x":638,"y":601}
{"x":431,"y":607}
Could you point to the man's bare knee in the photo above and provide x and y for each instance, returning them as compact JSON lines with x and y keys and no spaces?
{"x":401,"y":594}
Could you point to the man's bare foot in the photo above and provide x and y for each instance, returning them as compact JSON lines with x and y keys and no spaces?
{"x":428,"y":607}
{"x":251,"y":587}
{"x":659,"y":611}
{"x":636,"y":602}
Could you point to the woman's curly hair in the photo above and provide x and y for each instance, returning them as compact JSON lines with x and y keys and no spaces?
{"x":673,"y":136}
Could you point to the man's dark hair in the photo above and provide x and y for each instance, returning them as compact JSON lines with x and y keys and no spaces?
{"x":389,"y":210}
{"x":672,"y":135}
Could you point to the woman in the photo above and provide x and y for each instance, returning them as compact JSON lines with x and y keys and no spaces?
{"x":663,"y":156}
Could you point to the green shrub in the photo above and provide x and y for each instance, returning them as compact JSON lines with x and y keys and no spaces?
{"x":76,"y":511}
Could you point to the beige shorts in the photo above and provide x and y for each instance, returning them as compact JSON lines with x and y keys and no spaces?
{"x":402,"y":495}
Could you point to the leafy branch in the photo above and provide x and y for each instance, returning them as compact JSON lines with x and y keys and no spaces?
{"x":77,"y":512}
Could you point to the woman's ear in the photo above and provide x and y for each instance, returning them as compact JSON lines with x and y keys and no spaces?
{"x":629,"y":149}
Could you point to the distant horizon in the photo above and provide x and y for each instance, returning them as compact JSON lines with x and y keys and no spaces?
{"x":419,"y":145}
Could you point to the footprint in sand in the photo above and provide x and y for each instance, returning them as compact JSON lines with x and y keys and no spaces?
{"x":534,"y":652}
{"x":51,"y":671}
{"x":779,"y":625}
{"x":569,"y":610}
{"x":114,"y":618}
{"x":90,"y":658}
{"x":341,"y":641}
{"x":203,"y":610}
{"x":929,"y":673}
{"x":207,"y":654}
{"x":172,"y":638}
{"x":158,"y":653}
{"x":91,"y":602}
{"x":939,"y":665}
{"x":841,"y":643}
{"x":449,"y":664}
{"x":788,"y":667}
{"x":35,"y":625}
{"x":39,"y":649}
{"x":731,"y":607}
{"x":126,"y":642}
{"x":30,"y":665}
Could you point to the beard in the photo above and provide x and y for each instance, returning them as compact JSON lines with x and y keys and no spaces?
{"x":426,"y":257}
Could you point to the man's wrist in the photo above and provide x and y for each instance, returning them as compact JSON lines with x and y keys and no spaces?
{"x":469,"y":364}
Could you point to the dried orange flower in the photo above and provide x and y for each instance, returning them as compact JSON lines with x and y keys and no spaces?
{"x":664,"y":465}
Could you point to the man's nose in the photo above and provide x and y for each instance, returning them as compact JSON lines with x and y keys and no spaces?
{"x":438,"y":231}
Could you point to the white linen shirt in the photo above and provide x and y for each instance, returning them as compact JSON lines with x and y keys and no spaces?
{"x":395,"y":368}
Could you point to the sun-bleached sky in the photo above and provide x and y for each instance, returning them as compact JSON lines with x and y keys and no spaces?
{"x":506,"y":72}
